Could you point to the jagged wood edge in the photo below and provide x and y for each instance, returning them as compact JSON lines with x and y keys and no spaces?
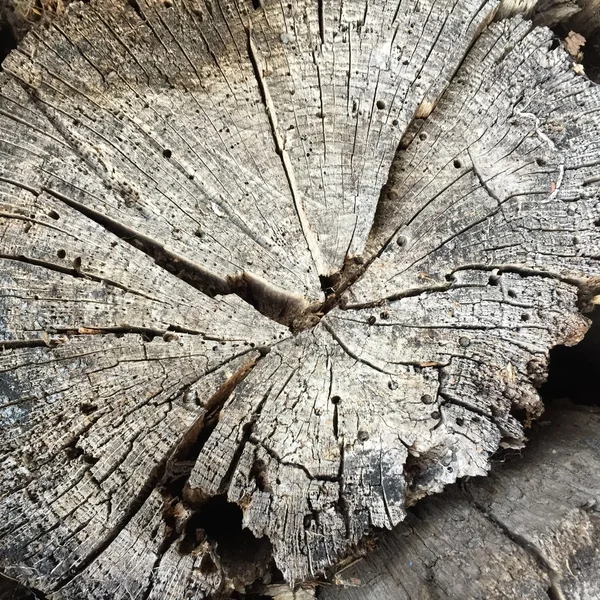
{"x":535,"y":522}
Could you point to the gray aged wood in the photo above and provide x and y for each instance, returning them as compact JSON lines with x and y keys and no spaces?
{"x":209,"y":309}
{"x":531,"y":530}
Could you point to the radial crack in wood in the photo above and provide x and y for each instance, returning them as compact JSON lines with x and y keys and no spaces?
{"x":192,"y":334}
{"x":500,"y":175}
{"x":398,"y":401}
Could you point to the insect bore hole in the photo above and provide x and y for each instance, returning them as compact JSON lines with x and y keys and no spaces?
{"x":363,"y":436}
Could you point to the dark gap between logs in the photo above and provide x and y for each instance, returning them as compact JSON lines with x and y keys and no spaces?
{"x":11,"y":589}
{"x":574,"y":370}
{"x":8,"y":40}
{"x":588,"y":27}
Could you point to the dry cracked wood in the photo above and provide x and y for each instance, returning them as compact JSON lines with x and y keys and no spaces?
{"x":209,"y":311}
{"x":531,"y":530}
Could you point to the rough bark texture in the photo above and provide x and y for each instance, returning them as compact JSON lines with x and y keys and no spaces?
{"x":531,"y":530}
{"x":211,"y":313}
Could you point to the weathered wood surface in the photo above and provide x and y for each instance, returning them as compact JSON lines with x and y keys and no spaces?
{"x":204,"y":298}
{"x":531,"y":530}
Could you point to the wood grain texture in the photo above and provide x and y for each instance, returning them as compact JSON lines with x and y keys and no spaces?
{"x":210,"y":315}
{"x":530,"y":530}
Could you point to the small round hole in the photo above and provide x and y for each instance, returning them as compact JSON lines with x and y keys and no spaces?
{"x":61,"y":254}
{"x":380,"y":104}
{"x":401,"y":241}
{"x":426,"y":399}
{"x":540,"y":162}
{"x":372,"y":320}
{"x":335,"y":400}
{"x":450,"y":277}
{"x":525,"y":317}
{"x":512,"y":294}
{"x":167,"y":153}
{"x":457,"y":163}
{"x":494,"y":280}
{"x":423,"y":136}
{"x":54,"y":215}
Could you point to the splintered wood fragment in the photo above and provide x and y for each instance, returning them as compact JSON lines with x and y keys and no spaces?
{"x":227,"y":356}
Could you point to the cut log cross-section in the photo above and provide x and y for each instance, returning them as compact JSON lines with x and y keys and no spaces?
{"x":299,"y":264}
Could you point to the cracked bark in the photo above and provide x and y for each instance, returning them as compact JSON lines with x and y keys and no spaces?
{"x":211,"y":314}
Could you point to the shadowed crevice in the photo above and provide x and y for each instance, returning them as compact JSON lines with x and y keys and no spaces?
{"x":8,"y":39}
{"x":11,"y":589}
{"x":573,"y":372}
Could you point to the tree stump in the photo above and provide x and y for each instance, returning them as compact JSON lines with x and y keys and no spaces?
{"x":241,"y":330}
